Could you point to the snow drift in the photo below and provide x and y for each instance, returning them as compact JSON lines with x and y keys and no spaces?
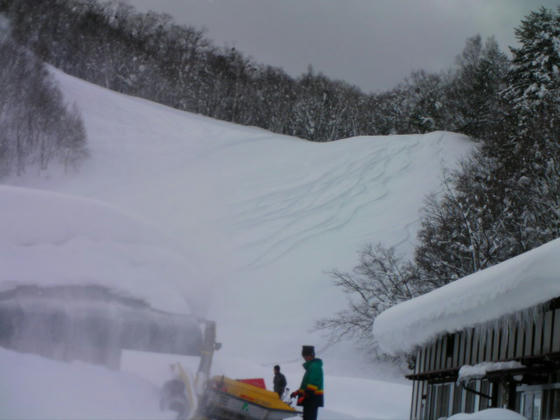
{"x":39,"y":388}
{"x":53,"y":239}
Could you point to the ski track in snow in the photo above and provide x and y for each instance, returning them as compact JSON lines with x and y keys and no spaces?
{"x":325,"y":194}
{"x":268,"y":223}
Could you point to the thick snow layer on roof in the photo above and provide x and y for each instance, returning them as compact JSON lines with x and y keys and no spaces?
{"x":516,"y":284}
{"x":51,"y":239}
{"x":468,"y":372}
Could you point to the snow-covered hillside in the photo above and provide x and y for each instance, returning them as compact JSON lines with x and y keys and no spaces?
{"x":261,"y":216}
{"x":259,"y":219}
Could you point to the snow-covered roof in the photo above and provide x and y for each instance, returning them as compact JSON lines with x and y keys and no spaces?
{"x":51,"y":239}
{"x":514,"y":285}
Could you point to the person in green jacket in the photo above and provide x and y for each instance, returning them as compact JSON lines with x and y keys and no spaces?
{"x":310,"y":392}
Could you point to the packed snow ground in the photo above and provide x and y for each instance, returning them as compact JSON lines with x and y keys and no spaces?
{"x":489,"y":414}
{"x":259,"y":218}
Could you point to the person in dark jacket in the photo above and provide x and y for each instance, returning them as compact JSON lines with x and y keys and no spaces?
{"x":310,"y":392}
{"x":279,"y":381}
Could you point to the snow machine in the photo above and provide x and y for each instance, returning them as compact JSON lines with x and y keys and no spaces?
{"x":219,"y":397}
{"x":229,"y":399}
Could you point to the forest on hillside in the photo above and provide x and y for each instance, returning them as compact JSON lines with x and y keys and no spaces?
{"x":37,"y":127}
{"x":148,"y":55}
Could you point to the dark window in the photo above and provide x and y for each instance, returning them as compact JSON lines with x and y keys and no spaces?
{"x":554,"y":403}
{"x":450,"y":345}
{"x":457,"y":399}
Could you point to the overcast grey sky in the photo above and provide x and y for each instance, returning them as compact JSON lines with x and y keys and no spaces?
{"x":373,"y":44}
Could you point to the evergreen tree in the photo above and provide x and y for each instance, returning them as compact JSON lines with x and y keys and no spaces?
{"x":474,"y":93}
{"x":505,"y":199}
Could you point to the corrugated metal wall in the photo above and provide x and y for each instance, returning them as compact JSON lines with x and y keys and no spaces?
{"x":529,"y":334}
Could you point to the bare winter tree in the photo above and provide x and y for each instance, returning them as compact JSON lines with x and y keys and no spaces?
{"x":379,"y":281}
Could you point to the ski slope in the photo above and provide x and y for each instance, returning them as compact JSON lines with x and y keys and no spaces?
{"x":260,"y":218}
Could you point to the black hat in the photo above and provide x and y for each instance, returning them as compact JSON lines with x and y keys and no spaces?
{"x":308,"y":351}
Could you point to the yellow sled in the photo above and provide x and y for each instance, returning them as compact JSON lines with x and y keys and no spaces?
{"x":228,"y":399}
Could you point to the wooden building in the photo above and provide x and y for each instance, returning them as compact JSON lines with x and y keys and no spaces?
{"x":494,"y":342}
{"x":531,"y":386}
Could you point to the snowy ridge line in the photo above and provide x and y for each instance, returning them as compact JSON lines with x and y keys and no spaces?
{"x":515,"y":285}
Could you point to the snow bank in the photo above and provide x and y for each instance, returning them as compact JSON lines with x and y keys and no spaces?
{"x":489,"y":414}
{"x":519,"y":283}
{"x":37,"y":388}
{"x":51,"y":239}
{"x":346,"y":398}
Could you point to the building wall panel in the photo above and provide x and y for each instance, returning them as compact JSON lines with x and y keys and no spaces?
{"x":431,"y":357}
{"x":440,"y":356}
{"x":497,"y":344}
{"x":468,"y":347}
{"x":444,"y":351}
{"x":423,"y":398}
{"x":460,"y":348}
{"x":529,"y":331}
{"x":481,"y":346}
{"x":482,"y":338}
{"x":457,"y":399}
{"x":511,"y":342}
{"x":538,"y":335}
{"x":415,"y":400}
{"x":504,"y":342}
{"x":489,"y":348}
{"x":547,"y":332}
{"x":449,"y":350}
{"x":556,"y":332}
{"x":456,"y":345}
{"x":519,"y":341}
